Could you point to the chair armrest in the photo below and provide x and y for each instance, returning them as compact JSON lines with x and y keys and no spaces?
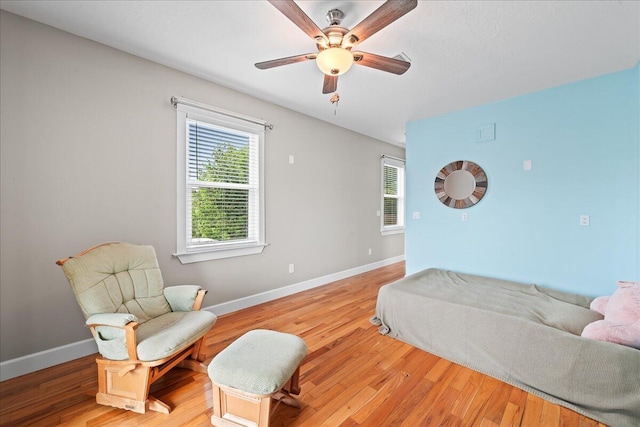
{"x":119,"y":345}
{"x":117,"y":320}
{"x":184,"y":297}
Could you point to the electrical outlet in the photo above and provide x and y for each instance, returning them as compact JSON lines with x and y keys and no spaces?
{"x":291,"y":268}
{"x":370,"y":251}
{"x":464,"y":217}
{"x":584,"y":219}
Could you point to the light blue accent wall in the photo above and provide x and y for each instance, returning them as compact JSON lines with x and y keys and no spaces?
{"x":583,"y":141}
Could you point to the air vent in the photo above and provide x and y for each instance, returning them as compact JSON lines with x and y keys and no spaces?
{"x":402,"y":57}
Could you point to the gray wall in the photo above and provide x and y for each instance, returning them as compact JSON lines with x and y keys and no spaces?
{"x":88,"y":151}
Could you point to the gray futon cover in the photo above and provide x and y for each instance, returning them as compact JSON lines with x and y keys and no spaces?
{"x":524,"y":335}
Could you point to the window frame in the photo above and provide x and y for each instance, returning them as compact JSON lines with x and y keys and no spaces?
{"x":223,"y":249}
{"x":399,"y":164}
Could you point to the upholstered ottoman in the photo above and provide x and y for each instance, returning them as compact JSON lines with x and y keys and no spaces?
{"x":257,"y":368}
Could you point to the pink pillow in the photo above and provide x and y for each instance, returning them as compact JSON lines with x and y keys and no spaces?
{"x":621,"y":311}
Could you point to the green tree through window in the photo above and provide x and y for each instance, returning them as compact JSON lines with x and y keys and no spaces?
{"x":220,"y":194}
{"x":390,"y":195}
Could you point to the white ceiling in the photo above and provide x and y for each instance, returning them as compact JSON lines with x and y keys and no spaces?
{"x":463,"y":53}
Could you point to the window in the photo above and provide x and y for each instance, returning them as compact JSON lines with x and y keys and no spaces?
{"x":220,"y":185}
{"x":392,"y":195}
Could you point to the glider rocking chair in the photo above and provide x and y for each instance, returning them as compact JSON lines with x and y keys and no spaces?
{"x":142,"y":329}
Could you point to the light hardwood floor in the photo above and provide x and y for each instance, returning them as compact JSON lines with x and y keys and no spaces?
{"x":352,"y":376}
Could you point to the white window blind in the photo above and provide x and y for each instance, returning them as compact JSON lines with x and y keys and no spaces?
{"x":221,"y":195}
{"x":392,"y":195}
{"x":223,"y":185}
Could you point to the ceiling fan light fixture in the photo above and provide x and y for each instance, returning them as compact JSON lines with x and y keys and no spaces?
{"x":334,"y":61}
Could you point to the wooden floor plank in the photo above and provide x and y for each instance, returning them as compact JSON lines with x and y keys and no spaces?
{"x":532,"y":411}
{"x":352,"y":376}
{"x":497,"y":403}
{"x":480,"y":401}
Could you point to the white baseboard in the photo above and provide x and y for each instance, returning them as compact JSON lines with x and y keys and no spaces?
{"x":47,"y":358}
{"x":251,"y":300}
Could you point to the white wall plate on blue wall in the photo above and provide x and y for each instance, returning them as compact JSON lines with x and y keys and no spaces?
{"x":486,"y":133}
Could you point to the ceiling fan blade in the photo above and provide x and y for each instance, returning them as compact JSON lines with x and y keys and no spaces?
{"x":330,"y":84}
{"x":292,"y":11}
{"x":390,"y":65}
{"x":285,"y":61}
{"x":380,"y":18}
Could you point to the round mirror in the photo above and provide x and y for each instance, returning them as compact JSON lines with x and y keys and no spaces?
{"x":460,"y":184}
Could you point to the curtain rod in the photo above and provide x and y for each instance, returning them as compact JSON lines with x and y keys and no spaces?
{"x":386,"y":156}
{"x":176,"y":100}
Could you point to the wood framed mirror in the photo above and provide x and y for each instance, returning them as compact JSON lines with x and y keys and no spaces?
{"x":460,"y":184}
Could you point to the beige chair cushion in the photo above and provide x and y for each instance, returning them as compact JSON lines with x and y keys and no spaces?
{"x":118,"y":278}
{"x":171,"y":332}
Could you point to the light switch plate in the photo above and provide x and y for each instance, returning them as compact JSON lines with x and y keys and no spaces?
{"x":526,"y":165}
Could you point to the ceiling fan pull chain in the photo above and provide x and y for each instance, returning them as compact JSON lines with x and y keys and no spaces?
{"x":334,"y":100}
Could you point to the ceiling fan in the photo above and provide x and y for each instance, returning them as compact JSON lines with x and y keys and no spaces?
{"x":335,"y":42}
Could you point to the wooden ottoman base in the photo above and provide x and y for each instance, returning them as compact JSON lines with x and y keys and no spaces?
{"x":234,"y":408}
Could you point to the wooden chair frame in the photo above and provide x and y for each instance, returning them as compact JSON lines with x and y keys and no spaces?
{"x":125,"y":383}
